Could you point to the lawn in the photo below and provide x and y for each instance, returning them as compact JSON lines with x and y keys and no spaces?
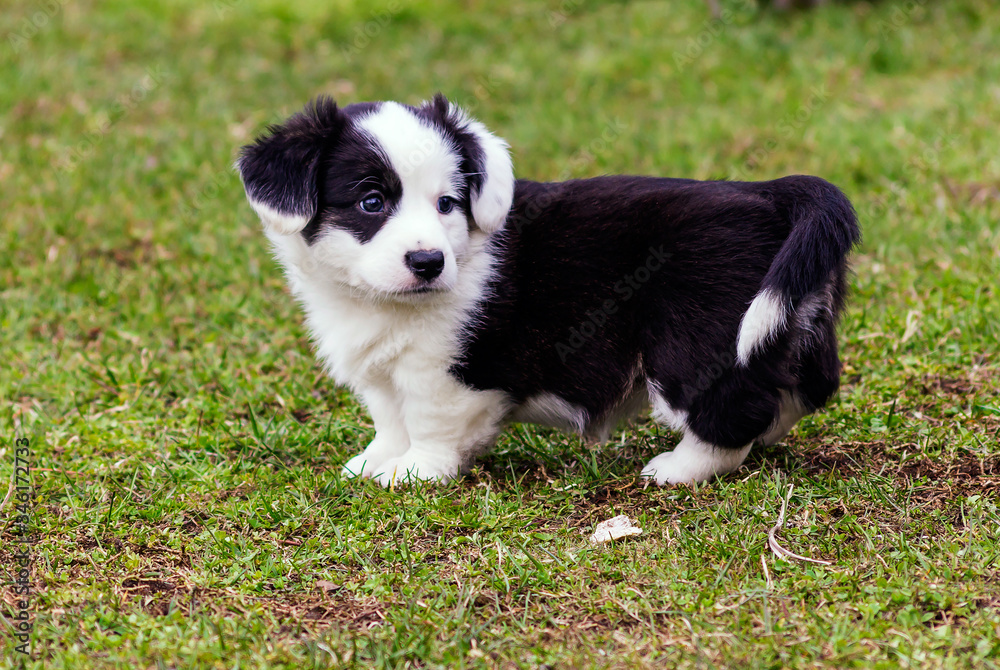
{"x":185,"y":446}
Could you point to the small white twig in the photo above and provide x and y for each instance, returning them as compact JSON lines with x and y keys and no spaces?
{"x":767,"y":574}
{"x":772,"y":541}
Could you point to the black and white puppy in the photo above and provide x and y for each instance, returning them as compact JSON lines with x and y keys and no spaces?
{"x":453,"y":299}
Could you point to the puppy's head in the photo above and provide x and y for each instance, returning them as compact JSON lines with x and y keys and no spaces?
{"x":384,"y":196}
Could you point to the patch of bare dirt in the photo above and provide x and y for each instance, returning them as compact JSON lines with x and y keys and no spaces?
{"x":164,"y":585}
{"x":137,"y":252}
{"x":926,"y":476}
{"x":141,"y":586}
{"x":971,"y":193}
{"x":978,"y":380}
{"x":311,"y":610}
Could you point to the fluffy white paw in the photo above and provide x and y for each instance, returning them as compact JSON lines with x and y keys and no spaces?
{"x":362,"y":465}
{"x":693,"y":461}
{"x":410,"y":468}
{"x":673,"y":468}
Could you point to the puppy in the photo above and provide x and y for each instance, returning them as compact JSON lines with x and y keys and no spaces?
{"x":453,"y":299}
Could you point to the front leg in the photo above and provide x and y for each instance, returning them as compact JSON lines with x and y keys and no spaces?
{"x":391,"y":439}
{"x":449,"y":424}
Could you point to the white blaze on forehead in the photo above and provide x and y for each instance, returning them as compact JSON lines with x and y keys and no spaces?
{"x":424,"y":160}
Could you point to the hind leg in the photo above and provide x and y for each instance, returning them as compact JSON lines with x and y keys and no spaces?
{"x":719,"y":423}
{"x":694,"y":460}
{"x":817,"y":373}
{"x":818,"y":369}
{"x":792,"y":410}
{"x":816,"y":385}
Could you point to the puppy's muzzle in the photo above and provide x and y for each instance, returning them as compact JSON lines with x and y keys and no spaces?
{"x":426,"y":265}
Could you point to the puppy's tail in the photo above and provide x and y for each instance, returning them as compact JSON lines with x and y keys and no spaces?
{"x":824,"y":229}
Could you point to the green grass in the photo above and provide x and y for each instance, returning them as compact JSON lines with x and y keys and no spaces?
{"x":186,"y":446}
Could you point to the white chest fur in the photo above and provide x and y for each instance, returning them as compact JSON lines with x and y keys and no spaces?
{"x":364,"y":340}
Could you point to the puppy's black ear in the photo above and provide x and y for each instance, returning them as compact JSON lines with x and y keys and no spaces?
{"x":486,"y":163}
{"x":279,"y":170}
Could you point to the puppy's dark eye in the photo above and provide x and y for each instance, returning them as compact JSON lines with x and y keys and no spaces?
{"x":446,"y":204}
{"x":372,"y":203}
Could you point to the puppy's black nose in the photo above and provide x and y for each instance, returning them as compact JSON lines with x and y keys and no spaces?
{"x":425,"y":264}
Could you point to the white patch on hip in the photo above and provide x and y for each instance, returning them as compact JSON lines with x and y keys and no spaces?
{"x":766,"y":316}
